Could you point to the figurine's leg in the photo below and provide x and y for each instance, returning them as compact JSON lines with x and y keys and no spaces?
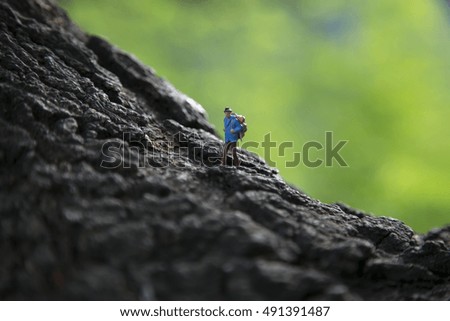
{"x":236,"y":161}
{"x":225,"y":152}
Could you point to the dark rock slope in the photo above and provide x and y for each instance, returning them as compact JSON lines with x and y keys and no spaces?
{"x":162,"y":221}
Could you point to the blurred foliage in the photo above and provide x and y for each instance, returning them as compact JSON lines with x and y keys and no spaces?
{"x":376,"y":73}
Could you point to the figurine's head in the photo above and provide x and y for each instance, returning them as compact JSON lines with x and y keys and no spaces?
{"x":228,"y":112}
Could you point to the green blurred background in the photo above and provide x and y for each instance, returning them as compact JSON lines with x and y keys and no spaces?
{"x":375,"y":73}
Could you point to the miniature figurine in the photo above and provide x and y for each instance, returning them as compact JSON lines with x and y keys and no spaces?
{"x":232,"y":128}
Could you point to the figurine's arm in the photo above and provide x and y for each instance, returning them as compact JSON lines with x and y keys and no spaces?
{"x":236,"y":127}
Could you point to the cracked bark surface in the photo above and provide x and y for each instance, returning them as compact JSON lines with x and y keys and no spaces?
{"x":173,"y":229}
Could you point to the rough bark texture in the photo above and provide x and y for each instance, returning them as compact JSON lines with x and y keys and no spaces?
{"x":179,"y":227}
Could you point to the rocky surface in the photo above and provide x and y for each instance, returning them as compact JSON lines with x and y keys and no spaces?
{"x":110,"y":189}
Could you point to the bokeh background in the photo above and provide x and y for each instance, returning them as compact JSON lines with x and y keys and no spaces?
{"x":375,"y":73}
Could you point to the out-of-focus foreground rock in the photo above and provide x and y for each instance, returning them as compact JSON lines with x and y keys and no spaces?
{"x":110,"y":189}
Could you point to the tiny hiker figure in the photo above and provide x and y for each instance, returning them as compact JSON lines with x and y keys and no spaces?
{"x":232,"y":128}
